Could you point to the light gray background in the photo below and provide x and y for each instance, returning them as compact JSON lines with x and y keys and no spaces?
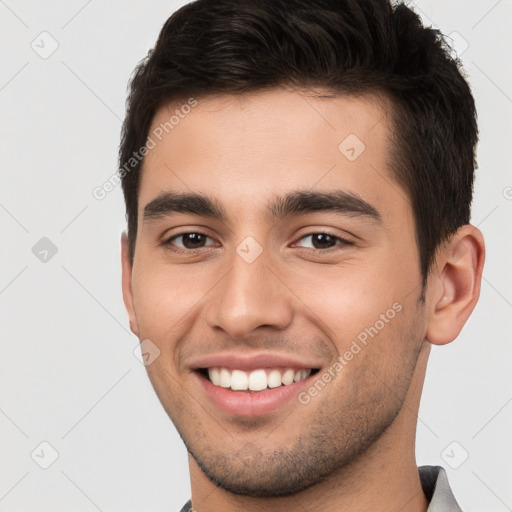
{"x":68,"y":375}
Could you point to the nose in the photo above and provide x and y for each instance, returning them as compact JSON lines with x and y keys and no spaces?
{"x":249,"y":296}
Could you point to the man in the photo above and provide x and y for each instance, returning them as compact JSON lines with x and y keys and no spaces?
{"x":298,"y":181}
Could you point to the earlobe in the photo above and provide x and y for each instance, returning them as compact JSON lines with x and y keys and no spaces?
{"x":455,"y":284}
{"x":127,"y":284}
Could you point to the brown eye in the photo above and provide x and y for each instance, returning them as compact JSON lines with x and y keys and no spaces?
{"x":324,"y":241}
{"x":190,"y":240}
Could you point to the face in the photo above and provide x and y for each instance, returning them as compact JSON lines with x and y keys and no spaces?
{"x":331,"y":286}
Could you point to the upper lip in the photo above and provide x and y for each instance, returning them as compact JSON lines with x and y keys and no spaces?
{"x":249,"y":362}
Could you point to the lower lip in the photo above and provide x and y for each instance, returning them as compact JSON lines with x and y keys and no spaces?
{"x":254,"y":404}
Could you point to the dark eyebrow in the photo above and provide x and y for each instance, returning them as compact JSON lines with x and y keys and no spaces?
{"x":339,"y":201}
{"x":172,"y":202}
{"x":294,"y":203}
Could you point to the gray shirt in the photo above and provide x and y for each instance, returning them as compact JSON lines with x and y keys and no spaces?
{"x":435,"y":486}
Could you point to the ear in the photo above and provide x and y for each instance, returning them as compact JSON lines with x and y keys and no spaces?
{"x":127,"y":284}
{"x":454,"y":286}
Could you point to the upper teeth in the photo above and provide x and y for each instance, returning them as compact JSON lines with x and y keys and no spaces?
{"x":255,"y":380}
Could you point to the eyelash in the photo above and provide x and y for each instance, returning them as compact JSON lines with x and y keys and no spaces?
{"x":168,"y":243}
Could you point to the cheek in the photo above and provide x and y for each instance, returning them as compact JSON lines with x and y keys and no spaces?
{"x":349,"y":300}
{"x":164,"y":297}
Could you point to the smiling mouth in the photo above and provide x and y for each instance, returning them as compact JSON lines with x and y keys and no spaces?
{"x":205,"y":374}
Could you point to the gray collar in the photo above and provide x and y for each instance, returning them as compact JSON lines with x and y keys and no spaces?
{"x":437,"y":489}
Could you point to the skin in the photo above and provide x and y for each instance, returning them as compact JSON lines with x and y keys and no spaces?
{"x":352,"y":446}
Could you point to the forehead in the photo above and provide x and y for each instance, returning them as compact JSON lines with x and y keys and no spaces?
{"x":241,"y":148}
